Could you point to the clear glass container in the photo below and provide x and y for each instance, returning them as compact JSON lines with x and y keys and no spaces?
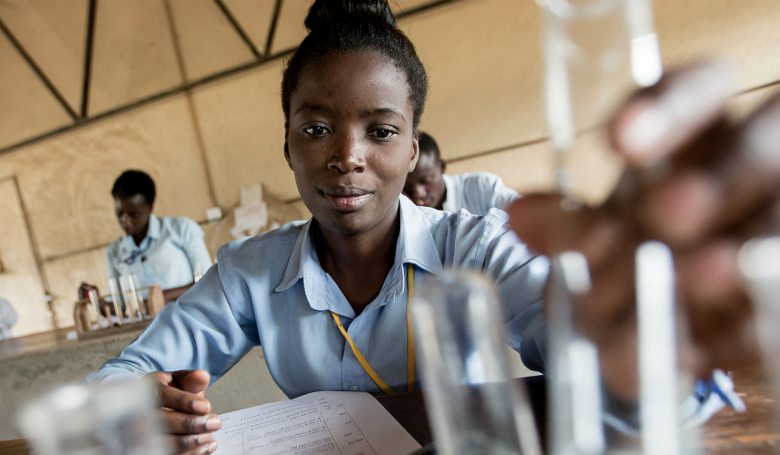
{"x":474,"y":406}
{"x":105,"y":419}
{"x":596,"y":53}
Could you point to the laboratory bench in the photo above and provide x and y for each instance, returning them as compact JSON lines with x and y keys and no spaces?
{"x":753,"y":432}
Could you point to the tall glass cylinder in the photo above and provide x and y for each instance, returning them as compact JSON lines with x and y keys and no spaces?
{"x":596,"y":53}
{"x":759,"y":262}
{"x":112,"y":289}
{"x":474,"y":405}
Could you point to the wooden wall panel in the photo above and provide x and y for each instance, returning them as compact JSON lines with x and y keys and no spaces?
{"x":744,"y":33}
{"x":526,"y":169}
{"x":746,"y":103}
{"x":290,"y":30}
{"x":254,"y":17}
{"x":20,"y":283}
{"x":208,"y":42}
{"x":66,"y":275}
{"x":66,"y":181}
{"x":483,"y":62}
{"x":53,"y":33}
{"x":133,"y":56}
{"x":242,"y":124}
{"x":531,"y":168}
{"x":27,"y":108}
{"x":400,"y":6}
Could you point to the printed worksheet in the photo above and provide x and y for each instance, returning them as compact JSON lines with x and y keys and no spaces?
{"x":322,"y":423}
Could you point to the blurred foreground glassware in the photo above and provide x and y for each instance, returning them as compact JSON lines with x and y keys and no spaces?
{"x":130,"y":298}
{"x":759,"y":263}
{"x":140,"y":306}
{"x":94,"y":299}
{"x":574,"y":384}
{"x":596,"y":53}
{"x":110,"y":419}
{"x":197,"y":273}
{"x":474,"y":405}
{"x":112,"y":289}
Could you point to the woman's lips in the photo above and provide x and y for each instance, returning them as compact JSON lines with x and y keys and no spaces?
{"x":347,"y":201}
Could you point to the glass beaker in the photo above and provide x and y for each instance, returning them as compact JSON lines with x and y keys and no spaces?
{"x":105,"y":419}
{"x":474,"y":405}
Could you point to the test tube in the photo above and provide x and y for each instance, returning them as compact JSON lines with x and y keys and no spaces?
{"x":574,"y":383}
{"x":659,"y":375}
{"x":139,"y":305}
{"x":473,"y":403}
{"x":115,"y":299}
{"x":130,"y":303}
{"x":93,"y":299}
{"x":197,"y":273}
{"x":760,"y":266}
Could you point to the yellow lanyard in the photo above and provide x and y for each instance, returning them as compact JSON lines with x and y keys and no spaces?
{"x":409,"y":343}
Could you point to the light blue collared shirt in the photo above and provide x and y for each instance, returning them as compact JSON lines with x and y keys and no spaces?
{"x":270,"y":290}
{"x":476,"y":193}
{"x":166,"y":256}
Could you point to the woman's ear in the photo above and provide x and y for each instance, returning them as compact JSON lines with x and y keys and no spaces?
{"x":286,"y":146}
{"x":287,"y":154}
{"x":415,"y":152}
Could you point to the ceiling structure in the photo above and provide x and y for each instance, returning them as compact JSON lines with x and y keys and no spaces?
{"x":66,"y":63}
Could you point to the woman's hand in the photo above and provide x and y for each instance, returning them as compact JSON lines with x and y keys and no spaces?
{"x":85,"y":288}
{"x":186,"y":411}
{"x":695,"y":181}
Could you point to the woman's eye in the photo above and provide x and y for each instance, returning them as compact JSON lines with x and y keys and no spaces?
{"x":382,"y":133}
{"x":315,"y":130}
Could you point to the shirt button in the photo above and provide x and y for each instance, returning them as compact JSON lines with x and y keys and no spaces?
{"x":353,"y":388}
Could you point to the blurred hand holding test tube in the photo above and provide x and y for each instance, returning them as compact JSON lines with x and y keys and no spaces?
{"x":596,"y":53}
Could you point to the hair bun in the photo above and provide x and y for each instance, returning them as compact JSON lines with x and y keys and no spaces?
{"x":324,"y":14}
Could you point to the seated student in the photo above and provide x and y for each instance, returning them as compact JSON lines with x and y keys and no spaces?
{"x":352,"y":96}
{"x":156,"y":250}
{"x":429,"y":186}
{"x":8,"y":318}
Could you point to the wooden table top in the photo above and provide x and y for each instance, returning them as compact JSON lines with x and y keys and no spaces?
{"x":754,"y":432}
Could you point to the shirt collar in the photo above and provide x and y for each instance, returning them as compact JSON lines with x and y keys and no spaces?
{"x":152,"y":233}
{"x":415,"y":245}
{"x":449,"y":203}
{"x":154,"y":227}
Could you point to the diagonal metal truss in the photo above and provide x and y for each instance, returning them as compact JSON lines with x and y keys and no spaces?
{"x":82,"y":116}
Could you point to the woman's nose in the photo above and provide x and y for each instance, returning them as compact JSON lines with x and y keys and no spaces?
{"x":418,"y":192}
{"x":348,"y":155}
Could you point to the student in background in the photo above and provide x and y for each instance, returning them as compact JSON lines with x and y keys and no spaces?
{"x":156,"y":250}
{"x":8,"y":318}
{"x":429,"y":186}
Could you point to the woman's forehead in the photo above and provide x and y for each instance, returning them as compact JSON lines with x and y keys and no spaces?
{"x":356,"y":80}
